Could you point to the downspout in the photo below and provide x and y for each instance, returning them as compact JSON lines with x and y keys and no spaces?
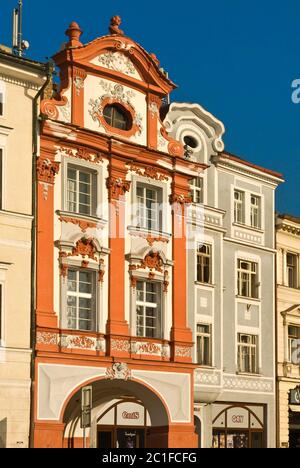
{"x":35,"y":131}
{"x":277,"y":403}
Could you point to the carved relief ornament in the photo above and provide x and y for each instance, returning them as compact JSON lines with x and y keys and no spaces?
{"x":149,"y":172}
{"x":47,"y":170}
{"x":117,"y":187}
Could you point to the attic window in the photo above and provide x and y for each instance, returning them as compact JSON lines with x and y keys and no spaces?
{"x":116,"y":116}
{"x":190,"y":141}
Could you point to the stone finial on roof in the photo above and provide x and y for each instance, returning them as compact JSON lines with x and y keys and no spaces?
{"x":114,"y":26}
{"x":74,"y":32}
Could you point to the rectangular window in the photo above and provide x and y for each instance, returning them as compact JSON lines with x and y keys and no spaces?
{"x":1,"y":179}
{"x":247,"y":279}
{"x":80,"y":191}
{"x":239,"y":207}
{"x":1,"y":314}
{"x":204,"y":345}
{"x":197,"y":190}
{"x":148,"y":309}
{"x":149,"y":216}
{"x":255,"y":211}
{"x":204,"y":262}
{"x":293,"y":343}
{"x":81,"y":300}
{"x":247,"y":353}
{"x":1,"y":103}
{"x":291,"y":261}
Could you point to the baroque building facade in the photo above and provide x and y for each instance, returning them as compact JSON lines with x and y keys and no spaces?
{"x":20,"y":83}
{"x":231,"y":287}
{"x":111,"y":312}
{"x":288,"y":331}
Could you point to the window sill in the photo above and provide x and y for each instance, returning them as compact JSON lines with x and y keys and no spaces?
{"x":249,"y":299}
{"x":209,"y":285}
{"x":149,"y":232}
{"x":247,"y":226}
{"x":249,"y":374}
{"x":200,"y":366}
{"x":100,"y":222}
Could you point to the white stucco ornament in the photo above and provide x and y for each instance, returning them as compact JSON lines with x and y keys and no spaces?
{"x":118,"y":371}
{"x":119,"y":62}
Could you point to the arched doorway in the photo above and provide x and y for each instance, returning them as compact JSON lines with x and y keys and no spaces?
{"x":126,"y":414}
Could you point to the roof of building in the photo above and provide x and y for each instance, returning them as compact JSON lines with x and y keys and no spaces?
{"x":288,"y":217}
{"x":6,"y":54}
{"x":235,"y":158}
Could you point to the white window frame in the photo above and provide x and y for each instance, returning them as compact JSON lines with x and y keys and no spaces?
{"x":250,"y":273}
{"x":207,"y":255}
{"x":250,"y":346}
{"x":239,"y":207}
{"x":295,"y":270}
{"x":142,"y":220}
{"x":292,"y":339}
{"x":3,"y":268}
{"x":158,"y":306}
{"x":92,"y":193}
{"x":93,"y":296}
{"x":203,"y":335}
{"x":255,"y":212}
{"x":197,"y":191}
{"x":3,"y":100}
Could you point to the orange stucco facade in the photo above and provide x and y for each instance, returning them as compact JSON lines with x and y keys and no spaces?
{"x":65,"y":239}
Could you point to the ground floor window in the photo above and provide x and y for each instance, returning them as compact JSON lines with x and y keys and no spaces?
{"x":238,"y":426}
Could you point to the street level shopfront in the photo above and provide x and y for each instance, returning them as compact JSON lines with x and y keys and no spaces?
{"x":239,"y":426}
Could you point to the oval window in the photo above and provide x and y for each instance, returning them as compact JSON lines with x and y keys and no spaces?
{"x":117,"y":117}
{"x":190,"y":141}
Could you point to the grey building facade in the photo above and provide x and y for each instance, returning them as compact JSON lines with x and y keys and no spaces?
{"x":231,"y":286}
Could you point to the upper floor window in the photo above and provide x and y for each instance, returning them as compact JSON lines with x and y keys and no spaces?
{"x":204,"y":262}
{"x":239,"y":207}
{"x":247,"y":353}
{"x":293,"y":343}
{"x":1,"y":180}
{"x":148,"y":199}
{"x":255,"y":211}
{"x":80,"y":190}
{"x":197,"y":190}
{"x":1,"y":103}
{"x":204,"y":345}
{"x":117,"y":117}
{"x":292,"y":270}
{"x":247,"y":279}
{"x":148,"y":309}
{"x":81,"y":300}
{"x":1,"y":313}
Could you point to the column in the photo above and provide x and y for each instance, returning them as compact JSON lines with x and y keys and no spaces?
{"x":181,"y":335}
{"x":46,"y":171}
{"x":116,"y":326}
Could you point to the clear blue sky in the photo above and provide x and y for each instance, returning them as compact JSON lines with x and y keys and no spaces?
{"x":236,"y":58}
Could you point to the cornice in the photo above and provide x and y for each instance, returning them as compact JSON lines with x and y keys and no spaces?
{"x":289,"y":227}
{"x":245,"y":170}
{"x":19,"y":82}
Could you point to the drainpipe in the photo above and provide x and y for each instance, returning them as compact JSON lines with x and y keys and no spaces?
{"x":35,"y":131}
{"x":277,"y":403}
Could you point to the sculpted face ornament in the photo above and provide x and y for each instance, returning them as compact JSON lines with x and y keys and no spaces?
{"x":114,"y":26}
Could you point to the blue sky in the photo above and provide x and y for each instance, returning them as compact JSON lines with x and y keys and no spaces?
{"x":236,"y":58}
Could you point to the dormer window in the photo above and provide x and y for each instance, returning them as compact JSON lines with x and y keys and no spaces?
{"x":116,"y":116}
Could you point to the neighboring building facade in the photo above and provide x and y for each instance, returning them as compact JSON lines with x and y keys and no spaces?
{"x":111,"y":267}
{"x":231,"y":287}
{"x":288,"y":330}
{"x":20,"y":82}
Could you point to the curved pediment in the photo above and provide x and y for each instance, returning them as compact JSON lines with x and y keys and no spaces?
{"x":120,"y":56}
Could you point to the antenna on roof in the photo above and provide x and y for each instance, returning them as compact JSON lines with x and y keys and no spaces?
{"x":19,"y":45}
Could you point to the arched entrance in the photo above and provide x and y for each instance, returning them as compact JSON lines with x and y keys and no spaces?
{"x":126,"y":414}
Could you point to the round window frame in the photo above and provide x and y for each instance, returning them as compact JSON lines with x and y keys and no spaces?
{"x":127,"y":108}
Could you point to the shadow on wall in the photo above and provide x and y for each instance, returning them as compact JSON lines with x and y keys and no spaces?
{"x":3,"y":433}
